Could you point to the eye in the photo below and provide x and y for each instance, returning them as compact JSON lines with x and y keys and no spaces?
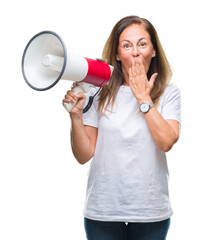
{"x":126,"y":46}
{"x":142,"y":44}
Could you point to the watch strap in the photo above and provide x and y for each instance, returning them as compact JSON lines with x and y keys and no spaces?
{"x":151,"y":104}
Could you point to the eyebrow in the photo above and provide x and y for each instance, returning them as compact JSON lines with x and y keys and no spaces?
{"x":125,"y":40}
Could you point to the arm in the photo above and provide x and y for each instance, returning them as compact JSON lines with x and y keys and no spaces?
{"x":83,"y":138}
{"x":164,"y":132}
{"x":83,"y":141}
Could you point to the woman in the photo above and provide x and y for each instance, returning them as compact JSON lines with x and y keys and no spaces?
{"x":132,"y":123}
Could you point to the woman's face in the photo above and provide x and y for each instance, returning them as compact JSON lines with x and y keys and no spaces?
{"x":134,"y":43}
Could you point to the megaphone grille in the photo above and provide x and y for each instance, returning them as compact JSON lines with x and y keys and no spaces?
{"x":38,"y":76}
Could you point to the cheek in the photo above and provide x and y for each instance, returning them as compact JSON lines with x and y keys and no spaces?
{"x":125,"y":58}
{"x":125,"y":62}
{"x":146,"y":55}
{"x":146,"y":60}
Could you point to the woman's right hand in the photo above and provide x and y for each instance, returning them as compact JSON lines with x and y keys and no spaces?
{"x":71,"y":97}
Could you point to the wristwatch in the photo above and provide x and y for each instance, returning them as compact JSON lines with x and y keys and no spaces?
{"x":144,"y":107}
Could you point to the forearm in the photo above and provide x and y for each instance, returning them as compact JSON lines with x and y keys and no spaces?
{"x":83,"y":141}
{"x":162,"y":132}
{"x":80,"y":143}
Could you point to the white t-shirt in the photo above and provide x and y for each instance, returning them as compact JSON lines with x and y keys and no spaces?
{"x":128,"y":177}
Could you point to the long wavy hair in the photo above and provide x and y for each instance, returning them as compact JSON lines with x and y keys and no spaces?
{"x":159,"y":64}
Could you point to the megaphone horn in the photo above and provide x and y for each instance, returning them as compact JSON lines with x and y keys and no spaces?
{"x":45,"y":61}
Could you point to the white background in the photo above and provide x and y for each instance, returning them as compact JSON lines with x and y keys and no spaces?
{"x":42,"y":187}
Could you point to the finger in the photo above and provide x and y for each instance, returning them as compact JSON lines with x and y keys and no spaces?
{"x":69,"y":98}
{"x":137,"y":61}
{"x":135,"y":65}
{"x":132,"y":63}
{"x":81,"y":95}
{"x":130,"y":71}
{"x":131,"y":75}
{"x":67,"y":101}
{"x":73,"y":85}
{"x":71,"y":94}
{"x":137,"y":69}
{"x":142,"y":68}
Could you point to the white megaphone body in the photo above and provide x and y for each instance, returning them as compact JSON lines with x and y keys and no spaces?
{"x":45,"y":61}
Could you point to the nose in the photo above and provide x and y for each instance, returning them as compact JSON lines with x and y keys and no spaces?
{"x":135,"y":51}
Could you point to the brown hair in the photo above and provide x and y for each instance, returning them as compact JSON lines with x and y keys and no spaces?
{"x":159,"y":64}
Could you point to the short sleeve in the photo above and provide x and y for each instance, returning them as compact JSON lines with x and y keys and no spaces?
{"x":90,"y":118}
{"x":171,"y":105}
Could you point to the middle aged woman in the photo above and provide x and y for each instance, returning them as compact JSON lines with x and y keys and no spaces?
{"x":132,"y":123}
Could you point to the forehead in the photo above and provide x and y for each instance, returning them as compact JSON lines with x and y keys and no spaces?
{"x":134,"y":32}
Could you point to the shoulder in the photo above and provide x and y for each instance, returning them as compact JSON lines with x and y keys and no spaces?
{"x":92,"y":100}
{"x":170,"y":92}
{"x":170,"y":97}
{"x":170,"y":103}
{"x":92,"y":91}
{"x":171,"y":88}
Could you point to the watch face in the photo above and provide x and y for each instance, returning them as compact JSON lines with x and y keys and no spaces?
{"x":144,"y":107}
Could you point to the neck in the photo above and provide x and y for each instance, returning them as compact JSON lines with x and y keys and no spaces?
{"x":126,"y":84}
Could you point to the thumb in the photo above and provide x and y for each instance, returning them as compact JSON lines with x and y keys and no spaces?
{"x":81,"y":95}
{"x":152,"y":79}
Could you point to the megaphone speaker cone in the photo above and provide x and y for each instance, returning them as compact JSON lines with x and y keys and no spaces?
{"x":35,"y":72}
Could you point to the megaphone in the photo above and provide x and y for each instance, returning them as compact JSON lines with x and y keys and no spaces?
{"x":45,"y":61}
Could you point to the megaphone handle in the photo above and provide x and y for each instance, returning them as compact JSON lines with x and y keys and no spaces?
{"x":69,"y":106}
{"x":81,"y":87}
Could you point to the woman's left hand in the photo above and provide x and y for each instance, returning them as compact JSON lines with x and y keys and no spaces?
{"x":139,"y":83}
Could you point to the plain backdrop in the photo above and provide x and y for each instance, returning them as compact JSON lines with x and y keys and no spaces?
{"x":42,"y":187}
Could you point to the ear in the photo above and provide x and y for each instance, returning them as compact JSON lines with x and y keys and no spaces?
{"x":117,"y":58}
{"x":154,"y":54}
